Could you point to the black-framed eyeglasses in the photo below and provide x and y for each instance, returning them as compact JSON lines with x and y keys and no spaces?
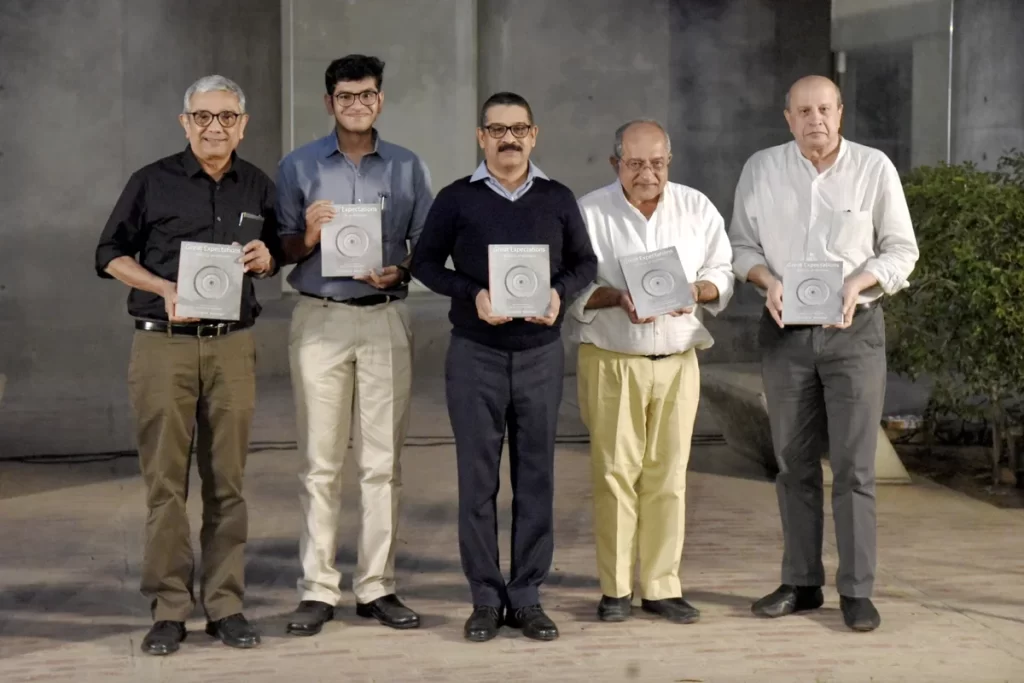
{"x":204,"y":118}
{"x":497,"y":130}
{"x":636,"y":165}
{"x":367,"y":97}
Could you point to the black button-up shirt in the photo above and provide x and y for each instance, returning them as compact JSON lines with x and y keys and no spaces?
{"x":173,"y":200}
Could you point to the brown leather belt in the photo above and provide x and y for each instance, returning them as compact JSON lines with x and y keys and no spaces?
{"x":218,"y":329}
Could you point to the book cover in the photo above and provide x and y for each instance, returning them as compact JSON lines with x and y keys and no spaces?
{"x":351,"y":244}
{"x":812,"y":293}
{"x":210,"y":281}
{"x":520,"y":279}
{"x":656,"y":282}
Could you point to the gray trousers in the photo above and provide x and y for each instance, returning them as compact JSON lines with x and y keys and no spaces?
{"x":825,"y":389}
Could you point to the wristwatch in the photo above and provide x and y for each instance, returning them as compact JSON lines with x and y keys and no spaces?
{"x":406,"y":275}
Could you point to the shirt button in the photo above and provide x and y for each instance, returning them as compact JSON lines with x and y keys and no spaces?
{"x":218,"y":219}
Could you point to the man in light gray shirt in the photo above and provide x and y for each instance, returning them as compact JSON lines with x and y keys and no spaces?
{"x":350,"y":345}
{"x":824,"y":198}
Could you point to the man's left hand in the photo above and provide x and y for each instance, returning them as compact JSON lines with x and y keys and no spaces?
{"x":256,"y":258}
{"x":851,"y":292}
{"x":688,"y":309}
{"x":388,"y":277}
{"x":553,"y":308}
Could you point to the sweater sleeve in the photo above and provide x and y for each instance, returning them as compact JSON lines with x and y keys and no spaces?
{"x":579,"y":263}
{"x":430,"y":257}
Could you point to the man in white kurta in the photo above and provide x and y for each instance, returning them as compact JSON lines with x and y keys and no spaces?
{"x":638,"y":379}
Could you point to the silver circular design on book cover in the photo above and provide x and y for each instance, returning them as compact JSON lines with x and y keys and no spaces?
{"x":658,"y":282}
{"x":813,"y":292}
{"x":352,"y":241}
{"x":211,"y":282}
{"x":521,"y":282}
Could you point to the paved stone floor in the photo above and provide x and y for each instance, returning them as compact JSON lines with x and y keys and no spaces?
{"x":950,"y":582}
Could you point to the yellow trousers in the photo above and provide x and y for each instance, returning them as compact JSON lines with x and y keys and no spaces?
{"x":640,"y":414}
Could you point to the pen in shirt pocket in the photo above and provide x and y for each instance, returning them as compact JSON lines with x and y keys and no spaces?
{"x":383,"y":196}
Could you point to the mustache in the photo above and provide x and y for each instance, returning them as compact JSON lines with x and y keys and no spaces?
{"x":505,"y":146}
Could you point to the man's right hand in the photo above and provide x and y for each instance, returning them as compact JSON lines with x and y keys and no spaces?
{"x":170,"y":295}
{"x":483,"y":309}
{"x":773,"y":301}
{"x":626,"y":304}
{"x":317,"y":213}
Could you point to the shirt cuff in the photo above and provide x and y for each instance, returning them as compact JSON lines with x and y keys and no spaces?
{"x":888,"y":280}
{"x":723,"y":283}
{"x":578,"y":309}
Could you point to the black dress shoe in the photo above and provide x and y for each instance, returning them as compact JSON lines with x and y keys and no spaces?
{"x":614,"y":609}
{"x":859,"y":613}
{"x":234,"y":631}
{"x":676,"y":610}
{"x":534,"y":623}
{"x":310,"y":617}
{"x":788,"y":600}
{"x":389,"y":611}
{"x":483,"y":623}
{"x":164,"y":638}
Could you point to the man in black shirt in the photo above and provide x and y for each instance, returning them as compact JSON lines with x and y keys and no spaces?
{"x":190,"y":377}
{"x":502,"y":372}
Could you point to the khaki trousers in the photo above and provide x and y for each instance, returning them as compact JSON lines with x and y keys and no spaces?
{"x":640,"y":414}
{"x":350,"y":361}
{"x":179,"y":384}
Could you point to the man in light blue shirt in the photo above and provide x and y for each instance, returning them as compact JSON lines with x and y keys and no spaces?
{"x":350,"y":347}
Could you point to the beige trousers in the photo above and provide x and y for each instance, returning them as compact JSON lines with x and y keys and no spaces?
{"x":640,"y":414}
{"x":351,"y":373}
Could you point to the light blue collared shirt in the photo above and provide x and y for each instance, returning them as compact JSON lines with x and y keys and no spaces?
{"x":483,"y":173}
{"x":319,"y":170}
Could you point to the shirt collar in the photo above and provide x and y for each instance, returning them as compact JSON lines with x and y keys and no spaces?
{"x":330,"y":143}
{"x":844,"y":148}
{"x":482,"y":173}
{"x":194,"y":168}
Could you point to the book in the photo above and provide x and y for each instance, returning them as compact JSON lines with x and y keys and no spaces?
{"x":519,"y":279}
{"x":812,"y":293}
{"x":351,"y":244}
{"x":656,"y":282}
{"x":210,"y":281}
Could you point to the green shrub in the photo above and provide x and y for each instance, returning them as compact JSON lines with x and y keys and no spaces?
{"x":961,"y":321}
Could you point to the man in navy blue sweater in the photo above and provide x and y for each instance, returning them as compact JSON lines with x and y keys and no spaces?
{"x":502,"y":372}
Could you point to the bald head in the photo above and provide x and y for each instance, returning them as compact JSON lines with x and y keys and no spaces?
{"x":643,"y":152}
{"x":813,"y":83}
{"x":814,"y":110}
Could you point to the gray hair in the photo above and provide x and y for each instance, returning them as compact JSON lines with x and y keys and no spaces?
{"x":214,"y":83}
{"x":621,"y":131}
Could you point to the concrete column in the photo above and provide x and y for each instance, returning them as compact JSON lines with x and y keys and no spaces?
{"x":988,"y":60}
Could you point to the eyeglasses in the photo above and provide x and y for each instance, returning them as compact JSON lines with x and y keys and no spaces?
{"x":205,"y":118}
{"x":636,"y":165}
{"x":347,"y":99}
{"x":497,"y":131}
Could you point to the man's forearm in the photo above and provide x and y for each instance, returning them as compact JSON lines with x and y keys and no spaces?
{"x":603,"y":297}
{"x":127,"y":270}
{"x":295,"y":248}
{"x":761,"y":276}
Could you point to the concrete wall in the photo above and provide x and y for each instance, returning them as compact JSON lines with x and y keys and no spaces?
{"x":988,"y":60}
{"x":90,"y":91}
{"x":896,"y":80}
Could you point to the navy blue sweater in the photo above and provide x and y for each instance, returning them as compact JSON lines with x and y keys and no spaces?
{"x":467,"y":217}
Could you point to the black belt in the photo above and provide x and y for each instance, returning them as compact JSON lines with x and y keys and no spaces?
{"x":371,"y":300}
{"x":190,"y":329}
{"x":868,"y":305}
{"x":666,"y":355}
